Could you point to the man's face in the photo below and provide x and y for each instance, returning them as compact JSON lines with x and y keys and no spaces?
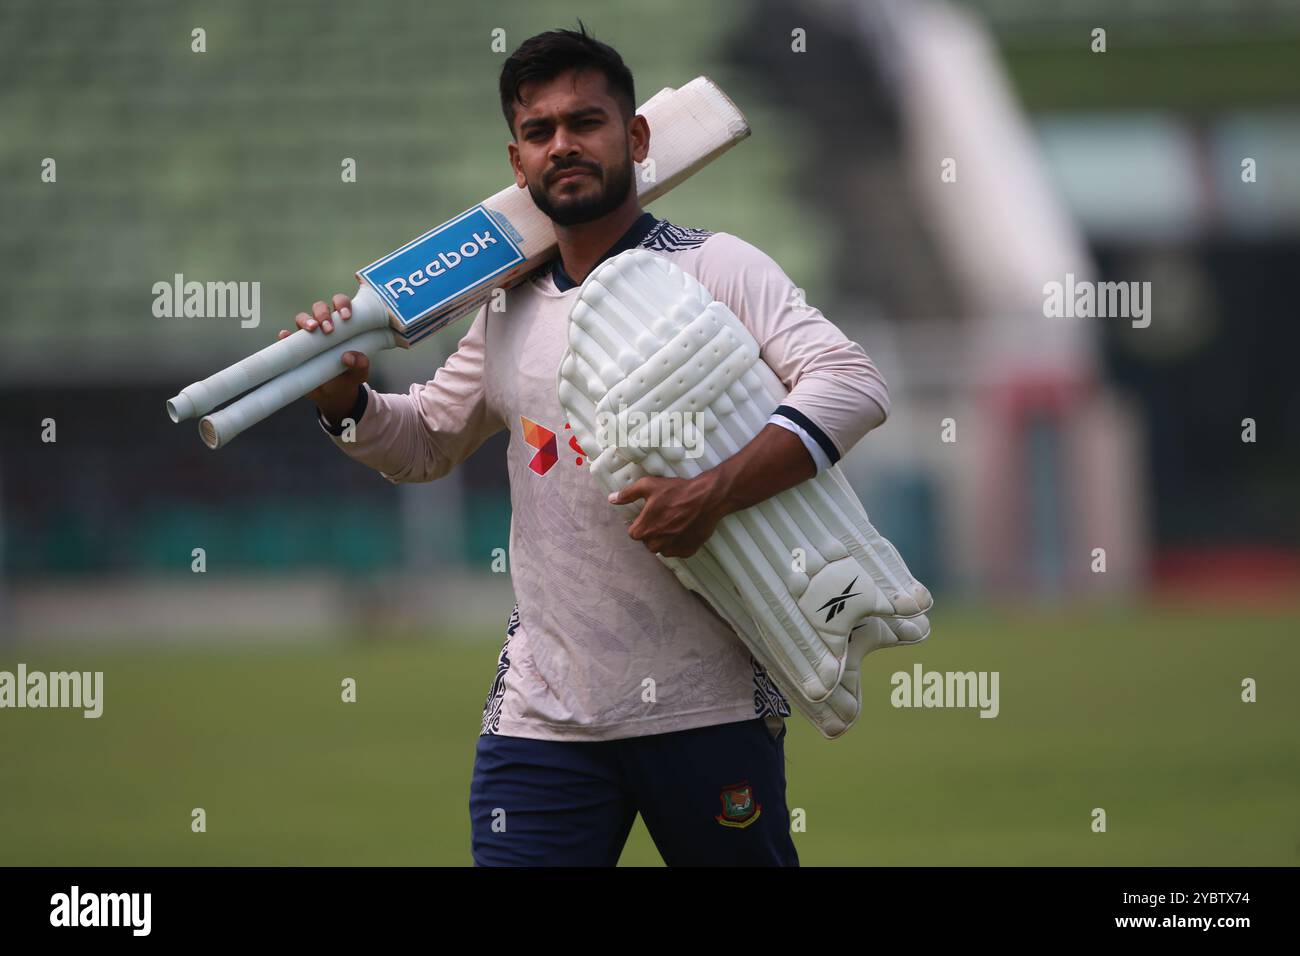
{"x":573,"y":149}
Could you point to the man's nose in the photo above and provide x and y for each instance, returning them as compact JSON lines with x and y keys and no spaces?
{"x":563,"y":146}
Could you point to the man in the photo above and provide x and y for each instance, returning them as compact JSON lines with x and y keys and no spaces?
{"x":617,"y":690}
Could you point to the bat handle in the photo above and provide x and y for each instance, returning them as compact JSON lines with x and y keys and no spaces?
{"x":219,"y":428}
{"x":368,"y":312}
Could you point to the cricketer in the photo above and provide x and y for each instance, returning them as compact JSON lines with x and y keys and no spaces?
{"x":617,"y":691}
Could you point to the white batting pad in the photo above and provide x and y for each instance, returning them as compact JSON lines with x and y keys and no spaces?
{"x":656,"y":370}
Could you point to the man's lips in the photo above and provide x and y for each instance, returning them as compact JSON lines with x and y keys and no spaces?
{"x":568,"y":174}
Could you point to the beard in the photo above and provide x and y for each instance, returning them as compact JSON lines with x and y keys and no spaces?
{"x":613,"y":186}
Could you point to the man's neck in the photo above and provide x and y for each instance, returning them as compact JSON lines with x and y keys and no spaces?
{"x":582,"y":245}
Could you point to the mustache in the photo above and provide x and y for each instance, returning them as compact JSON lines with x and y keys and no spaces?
{"x":560,"y":170}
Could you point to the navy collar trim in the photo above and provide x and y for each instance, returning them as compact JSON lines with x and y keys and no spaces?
{"x":644,"y":224}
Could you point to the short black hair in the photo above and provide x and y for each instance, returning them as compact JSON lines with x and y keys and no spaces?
{"x":546,"y":55}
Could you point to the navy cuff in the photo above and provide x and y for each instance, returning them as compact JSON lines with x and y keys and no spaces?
{"x":358,"y":410}
{"x":807,"y":424}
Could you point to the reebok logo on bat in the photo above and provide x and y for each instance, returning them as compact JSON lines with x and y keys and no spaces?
{"x":836,"y":604}
{"x":440,"y":265}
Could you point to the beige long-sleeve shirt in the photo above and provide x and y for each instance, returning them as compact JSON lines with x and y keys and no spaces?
{"x":604,"y":642}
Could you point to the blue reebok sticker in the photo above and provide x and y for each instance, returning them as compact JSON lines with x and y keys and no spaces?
{"x":461,"y":255}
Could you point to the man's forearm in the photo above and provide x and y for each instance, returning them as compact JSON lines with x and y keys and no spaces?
{"x":334,"y":413}
{"x":774,"y":461}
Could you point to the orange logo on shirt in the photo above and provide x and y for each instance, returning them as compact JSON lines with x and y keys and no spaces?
{"x":543,"y":439}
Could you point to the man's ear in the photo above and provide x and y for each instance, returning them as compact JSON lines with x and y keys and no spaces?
{"x":638,"y":132}
{"x":516,"y":163}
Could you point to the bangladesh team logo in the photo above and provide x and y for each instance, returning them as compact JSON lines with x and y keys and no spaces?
{"x":738,"y":806}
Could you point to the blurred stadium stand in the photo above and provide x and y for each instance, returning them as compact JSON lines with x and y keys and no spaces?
{"x":225,"y":166}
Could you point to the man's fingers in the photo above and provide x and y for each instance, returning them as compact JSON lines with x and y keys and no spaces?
{"x":638,"y":489}
{"x":356,"y":360}
{"x":663,"y":547}
{"x":670,"y":547}
{"x":641,"y":488}
{"x":321,"y":313}
{"x":343,"y":306}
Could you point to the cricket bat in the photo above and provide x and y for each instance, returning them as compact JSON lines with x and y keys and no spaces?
{"x":450,"y":271}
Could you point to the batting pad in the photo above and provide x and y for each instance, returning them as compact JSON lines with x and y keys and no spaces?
{"x":662,"y":380}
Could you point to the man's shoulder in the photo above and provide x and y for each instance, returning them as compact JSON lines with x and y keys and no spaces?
{"x":710,"y":254}
{"x":669,"y":237}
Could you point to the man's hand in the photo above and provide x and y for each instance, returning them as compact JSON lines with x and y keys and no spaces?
{"x":337,"y":396}
{"x":679,"y":514}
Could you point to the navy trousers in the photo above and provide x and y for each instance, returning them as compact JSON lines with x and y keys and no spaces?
{"x":711,"y":796}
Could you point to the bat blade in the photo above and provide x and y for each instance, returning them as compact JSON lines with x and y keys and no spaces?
{"x":452,"y":269}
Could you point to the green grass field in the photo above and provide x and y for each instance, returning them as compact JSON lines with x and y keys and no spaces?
{"x":1136,"y":712}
